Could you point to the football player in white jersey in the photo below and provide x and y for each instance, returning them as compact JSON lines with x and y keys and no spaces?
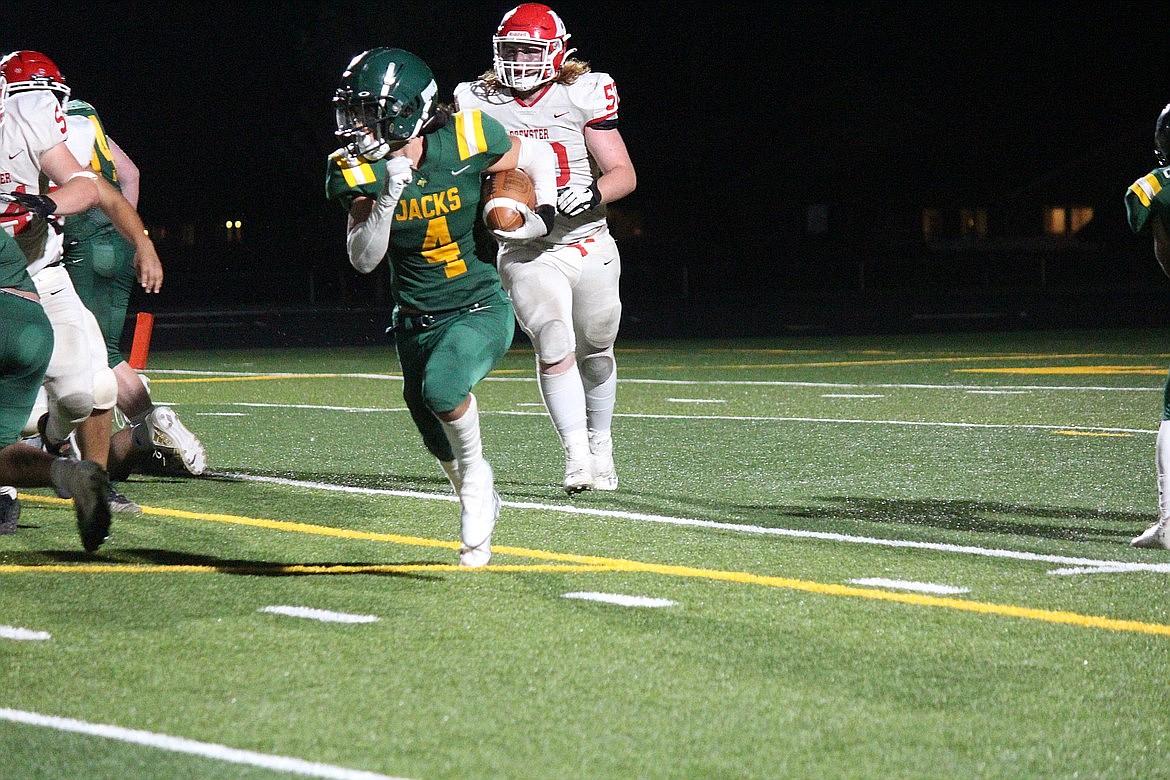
{"x":35,"y":156}
{"x":564,"y":286}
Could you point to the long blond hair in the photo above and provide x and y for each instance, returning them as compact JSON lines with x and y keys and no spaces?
{"x":571,"y":70}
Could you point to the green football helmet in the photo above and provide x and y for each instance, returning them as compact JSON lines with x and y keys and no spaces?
{"x":385,"y":98}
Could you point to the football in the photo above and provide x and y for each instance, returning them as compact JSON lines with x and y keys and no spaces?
{"x":501,"y":192}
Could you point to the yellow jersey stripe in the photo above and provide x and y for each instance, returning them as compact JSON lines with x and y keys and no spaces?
{"x":360,"y":174}
{"x":1146,"y":189}
{"x":470,"y":136}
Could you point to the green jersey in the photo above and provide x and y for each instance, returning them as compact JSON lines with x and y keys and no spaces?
{"x":13,"y":265}
{"x":1147,"y":197}
{"x":87,"y":141}
{"x":433,"y":262}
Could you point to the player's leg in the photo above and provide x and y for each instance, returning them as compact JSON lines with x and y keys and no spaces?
{"x":1158,"y":534}
{"x":462,"y":352}
{"x":543,"y":297}
{"x":69,"y":377}
{"x":412,"y":358}
{"x":26,"y":345}
{"x":597,"y":312}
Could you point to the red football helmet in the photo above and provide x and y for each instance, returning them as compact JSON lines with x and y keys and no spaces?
{"x":529,"y":47}
{"x":27,"y":70}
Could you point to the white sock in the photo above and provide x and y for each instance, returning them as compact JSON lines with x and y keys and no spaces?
{"x":599,"y":403}
{"x":1163,"y":462}
{"x":464,"y":437}
{"x":564,"y":397}
{"x":451,"y":469}
{"x":600,"y":394}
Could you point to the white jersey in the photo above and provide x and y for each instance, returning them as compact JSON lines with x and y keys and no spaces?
{"x":82,"y":137}
{"x":34,"y":122}
{"x":559,"y":115}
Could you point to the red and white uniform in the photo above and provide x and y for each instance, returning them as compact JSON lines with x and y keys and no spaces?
{"x":78,"y":378}
{"x":557,"y":115}
{"x":580,"y":249}
{"x":34,"y":122}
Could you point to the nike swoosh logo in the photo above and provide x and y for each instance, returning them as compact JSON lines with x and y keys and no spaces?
{"x":461,"y":170}
{"x":14,"y":156}
{"x":558,"y":116}
{"x":54,"y":292}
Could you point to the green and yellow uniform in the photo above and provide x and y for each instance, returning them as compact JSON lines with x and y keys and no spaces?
{"x":452,"y":320}
{"x":26,"y":342}
{"x":1148,"y":199}
{"x":99,"y":260}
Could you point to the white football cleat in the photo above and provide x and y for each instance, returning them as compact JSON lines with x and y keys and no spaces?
{"x":170,"y":437}
{"x":1157,"y":536}
{"x":578,"y":476}
{"x":604,"y":474}
{"x":479,"y":506}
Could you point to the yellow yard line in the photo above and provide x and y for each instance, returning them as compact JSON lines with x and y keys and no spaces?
{"x":1090,"y":433}
{"x":599,"y":563}
{"x":1083,"y":370}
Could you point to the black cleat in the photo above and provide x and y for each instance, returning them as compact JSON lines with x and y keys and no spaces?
{"x":9,"y":513}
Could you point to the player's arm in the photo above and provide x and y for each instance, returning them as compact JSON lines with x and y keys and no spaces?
{"x":367,"y":236}
{"x":128,"y":173}
{"x":125,"y":218}
{"x":537,"y":159}
{"x":1161,"y":244}
{"x":618,"y":178}
{"x":78,"y":186}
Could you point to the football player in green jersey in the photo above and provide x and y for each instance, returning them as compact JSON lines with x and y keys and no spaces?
{"x":1147,"y":204}
{"x":26,"y":344}
{"x":104,"y":267}
{"x":409,"y":176}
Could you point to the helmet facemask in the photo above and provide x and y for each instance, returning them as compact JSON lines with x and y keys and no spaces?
{"x":523,"y":63}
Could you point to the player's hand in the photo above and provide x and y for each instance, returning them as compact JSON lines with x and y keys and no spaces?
{"x":574,"y":199}
{"x":148,"y":267}
{"x":537,"y":222}
{"x":398,"y":175}
{"x":41,"y":205}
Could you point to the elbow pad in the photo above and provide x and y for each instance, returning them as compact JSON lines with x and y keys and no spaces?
{"x":538,"y":161}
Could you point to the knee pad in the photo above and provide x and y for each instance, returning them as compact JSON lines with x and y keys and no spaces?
{"x":75,"y":407}
{"x":597,"y":367}
{"x":554,"y":342}
{"x":105,"y":390}
{"x":602,"y":327}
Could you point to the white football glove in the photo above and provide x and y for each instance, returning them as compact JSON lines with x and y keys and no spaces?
{"x":398,"y":175}
{"x":574,"y":199}
{"x":536,"y":224}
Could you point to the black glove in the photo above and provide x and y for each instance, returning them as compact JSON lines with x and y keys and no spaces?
{"x":575,"y":199}
{"x":41,"y":205}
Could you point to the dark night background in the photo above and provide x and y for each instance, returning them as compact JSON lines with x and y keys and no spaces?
{"x":735,"y":117}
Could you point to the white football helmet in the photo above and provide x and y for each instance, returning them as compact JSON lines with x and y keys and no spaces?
{"x":529,"y":47}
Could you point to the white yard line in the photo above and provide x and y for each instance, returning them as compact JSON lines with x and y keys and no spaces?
{"x":720,"y":526}
{"x":619,"y":599}
{"x":918,"y":587}
{"x":730,"y":417}
{"x":23,"y":634}
{"x":210,"y":750}
{"x":697,"y":382}
{"x":324,"y":615}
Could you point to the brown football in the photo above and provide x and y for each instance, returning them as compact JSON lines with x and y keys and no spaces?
{"x":502,"y":187}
